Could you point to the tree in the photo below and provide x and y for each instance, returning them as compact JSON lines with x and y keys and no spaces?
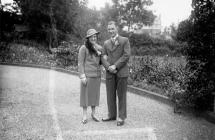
{"x":184,"y":30}
{"x":8,"y":18}
{"x":49,"y":20}
{"x":91,"y":18}
{"x":130,"y":12}
{"x":86,"y":19}
{"x":1,"y":10}
{"x":173,"y":31}
{"x":201,"y":53}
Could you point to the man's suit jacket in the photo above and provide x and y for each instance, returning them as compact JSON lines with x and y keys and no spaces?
{"x":118,"y":55}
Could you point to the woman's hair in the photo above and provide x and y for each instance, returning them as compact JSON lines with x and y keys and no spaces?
{"x":89,"y":46}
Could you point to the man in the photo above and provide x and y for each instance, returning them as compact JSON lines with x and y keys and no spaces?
{"x":117,"y":50}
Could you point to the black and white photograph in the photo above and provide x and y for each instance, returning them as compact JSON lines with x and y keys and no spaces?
{"x":107,"y":70}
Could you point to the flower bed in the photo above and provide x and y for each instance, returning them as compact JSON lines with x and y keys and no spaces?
{"x":23,"y":54}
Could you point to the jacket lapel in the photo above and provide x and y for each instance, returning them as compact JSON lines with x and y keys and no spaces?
{"x":113,"y":47}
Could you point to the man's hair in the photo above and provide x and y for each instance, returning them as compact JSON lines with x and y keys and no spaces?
{"x":112,"y":23}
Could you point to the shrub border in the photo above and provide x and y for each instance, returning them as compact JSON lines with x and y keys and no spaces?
{"x":209,"y":116}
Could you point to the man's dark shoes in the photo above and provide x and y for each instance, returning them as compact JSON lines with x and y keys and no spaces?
{"x":120,"y":122}
{"x":108,"y":119}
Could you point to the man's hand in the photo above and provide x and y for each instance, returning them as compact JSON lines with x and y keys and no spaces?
{"x":112,"y":69}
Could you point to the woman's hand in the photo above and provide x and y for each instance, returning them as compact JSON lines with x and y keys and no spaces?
{"x":95,"y":46}
{"x":84,"y":81}
{"x":99,"y":53}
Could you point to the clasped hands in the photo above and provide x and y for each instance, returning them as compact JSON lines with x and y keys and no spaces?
{"x":112,"y":69}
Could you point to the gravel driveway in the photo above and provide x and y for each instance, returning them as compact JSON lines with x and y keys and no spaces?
{"x":41,"y":104}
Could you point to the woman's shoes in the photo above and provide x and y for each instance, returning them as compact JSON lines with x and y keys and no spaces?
{"x":94,"y":118}
{"x":84,"y":121}
{"x":120,"y":123}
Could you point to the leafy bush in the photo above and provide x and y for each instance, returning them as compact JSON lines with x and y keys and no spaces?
{"x":66,"y":54}
{"x":199,"y":33}
{"x":17,"y":53}
{"x":166,"y":73}
{"x":143,"y":44}
{"x":63,"y":57}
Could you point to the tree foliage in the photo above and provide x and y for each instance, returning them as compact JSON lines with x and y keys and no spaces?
{"x":8,"y":18}
{"x":130,"y":12}
{"x":184,"y":30}
{"x":199,"y":32}
{"x":50,"y":19}
{"x":86,"y":19}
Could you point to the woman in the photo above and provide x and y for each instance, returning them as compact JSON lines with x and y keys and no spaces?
{"x":90,"y":74}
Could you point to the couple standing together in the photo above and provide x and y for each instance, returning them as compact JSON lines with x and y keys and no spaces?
{"x":114,"y":57}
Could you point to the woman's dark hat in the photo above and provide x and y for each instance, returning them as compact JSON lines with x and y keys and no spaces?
{"x":91,"y":32}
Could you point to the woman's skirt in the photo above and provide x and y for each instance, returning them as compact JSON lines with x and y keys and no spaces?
{"x":90,"y":93}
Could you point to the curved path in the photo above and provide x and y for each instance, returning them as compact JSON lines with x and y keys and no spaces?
{"x":41,"y":104}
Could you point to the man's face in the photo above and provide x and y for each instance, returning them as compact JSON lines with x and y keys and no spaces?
{"x":112,"y":30}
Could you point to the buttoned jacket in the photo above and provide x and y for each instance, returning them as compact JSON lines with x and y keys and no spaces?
{"x":118,"y":54}
{"x":88,"y":64}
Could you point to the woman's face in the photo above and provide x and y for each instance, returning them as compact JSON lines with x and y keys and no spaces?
{"x":93,"y":39}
